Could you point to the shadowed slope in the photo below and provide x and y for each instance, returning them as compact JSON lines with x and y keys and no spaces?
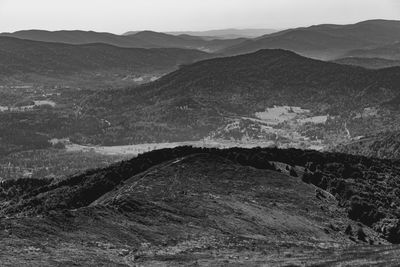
{"x":197,"y":208}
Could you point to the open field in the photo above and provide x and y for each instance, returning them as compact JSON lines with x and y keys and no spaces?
{"x":134,"y":150}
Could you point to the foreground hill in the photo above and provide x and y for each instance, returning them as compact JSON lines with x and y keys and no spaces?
{"x":23,"y":58}
{"x":187,"y":205}
{"x":143,"y":39}
{"x":191,"y":103}
{"x":325,"y":41}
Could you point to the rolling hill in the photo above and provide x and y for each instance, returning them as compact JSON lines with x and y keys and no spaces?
{"x":143,"y":39}
{"x":198,"y":99}
{"x":325,"y":41}
{"x":275,"y":97}
{"x":186,"y":205}
{"x":24,"y":57}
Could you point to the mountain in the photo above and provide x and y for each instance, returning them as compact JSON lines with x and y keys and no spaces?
{"x":325,"y":41}
{"x":369,"y":63}
{"x":389,"y":52}
{"x":79,"y":37}
{"x":270,"y":97}
{"x":143,"y":39}
{"x":24,"y":57}
{"x":226,"y":33}
{"x":184,"y":41}
{"x":274,"y":92}
{"x":186,"y":205}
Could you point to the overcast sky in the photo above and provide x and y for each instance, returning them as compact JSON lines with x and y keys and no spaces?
{"x":119,"y":16}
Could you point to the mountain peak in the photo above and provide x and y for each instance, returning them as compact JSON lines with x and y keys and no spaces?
{"x":148,"y":32}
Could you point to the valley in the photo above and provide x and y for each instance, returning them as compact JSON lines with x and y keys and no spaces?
{"x":233,"y":147}
{"x":137,"y":118}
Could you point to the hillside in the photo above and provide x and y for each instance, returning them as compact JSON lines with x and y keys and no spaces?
{"x":271,"y":97}
{"x":23,"y":58}
{"x":187,"y":205}
{"x":325,"y":41}
{"x":143,"y":39}
{"x":384,"y":145}
{"x":389,"y":52}
{"x":369,"y":63}
{"x":42,"y":85}
{"x":191,"y":103}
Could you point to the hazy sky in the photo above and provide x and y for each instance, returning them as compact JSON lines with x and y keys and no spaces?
{"x":119,"y":16}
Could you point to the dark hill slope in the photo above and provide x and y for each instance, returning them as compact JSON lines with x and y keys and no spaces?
{"x":383,"y":145}
{"x":50,"y":59}
{"x":353,"y":180}
{"x":198,"y":98}
{"x":325,"y":41}
{"x":182,"y":205}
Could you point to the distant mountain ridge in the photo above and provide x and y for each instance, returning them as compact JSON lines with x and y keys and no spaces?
{"x":325,"y":41}
{"x":367,"y":62}
{"x":78,"y":37}
{"x":144,"y":39}
{"x":227,"y":33}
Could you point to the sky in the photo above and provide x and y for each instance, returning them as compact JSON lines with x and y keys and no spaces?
{"x":119,"y":16}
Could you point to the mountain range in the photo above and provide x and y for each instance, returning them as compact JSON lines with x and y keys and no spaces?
{"x":69,"y":96}
{"x":325,"y":41}
{"x":372,"y":38}
{"x":226,"y":33}
{"x":143,"y":39}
